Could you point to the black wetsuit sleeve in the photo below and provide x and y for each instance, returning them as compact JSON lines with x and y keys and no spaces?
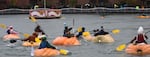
{"x":133,"y":40}
{"x":95,"y":34}
{"x":146,"y":37}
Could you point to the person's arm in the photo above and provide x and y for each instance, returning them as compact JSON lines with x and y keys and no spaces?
{"x":25,"y":39}
{"x":146,"y":36}
{"x":95,"y":34}
{"x":79,"y":34}
{"x":133,"y":40}
{"x":13,"y":32}
{"x":70,"y":29}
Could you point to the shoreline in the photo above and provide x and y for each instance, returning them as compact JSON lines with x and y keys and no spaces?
{"x":100,"y":10}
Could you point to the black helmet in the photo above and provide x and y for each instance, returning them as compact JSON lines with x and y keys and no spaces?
{"x":102,"y":27}
{"x":66,"y":27}
{"x":83,"y":28}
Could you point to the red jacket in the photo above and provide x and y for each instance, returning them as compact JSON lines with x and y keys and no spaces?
{"x":140,"y":38}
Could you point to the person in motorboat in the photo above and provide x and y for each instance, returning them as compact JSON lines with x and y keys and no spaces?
{"x":45,"y":43}
{"x":67,"y":32}
{"x":101,"y":32}
{"x":11,"y":30}
{"x":141,"y":37}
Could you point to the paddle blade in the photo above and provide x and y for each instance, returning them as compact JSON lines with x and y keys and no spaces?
{"x":32,"y":51}
{"x":85,"y":34}
{"x":26,"y":35}
{"x":115,"y":31}
{"x":121,"y":47}
{"x":64,"y":52}
{"x":3,"y":26}
{"x":33,"y":19}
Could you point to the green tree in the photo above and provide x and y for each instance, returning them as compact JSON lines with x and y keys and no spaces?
{"x":13,"y":3}
{"x":73,"y":3}
{"x":130,"y":2}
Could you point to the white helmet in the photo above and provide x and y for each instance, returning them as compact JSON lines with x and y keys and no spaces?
{"x":140,"y":30}
{"x":10,"y":27}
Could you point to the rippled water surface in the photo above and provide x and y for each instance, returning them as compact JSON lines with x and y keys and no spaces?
{"x":127,"y":24}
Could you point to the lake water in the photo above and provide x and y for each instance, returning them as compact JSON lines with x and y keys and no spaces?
{"x":126,"y":23}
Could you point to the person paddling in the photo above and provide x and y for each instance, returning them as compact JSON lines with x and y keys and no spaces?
{"x":11,"y":30}
{"x":67,"y":32}
{"x":38,"y":29}
{"x":31,"y":38}
{"x":141,"y":37}
{"x":101,"y":32}
{"x":45,"y":43}
{"x":81,"y":32}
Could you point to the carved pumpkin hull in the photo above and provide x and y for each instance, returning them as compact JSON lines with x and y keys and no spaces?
{"x":46,"y":52}
{"x":139,"y":49}
{"x":65,"y":41}
{"x":103,"y":38}
{"x":10,"y":36}
{"x":143,"y":17}
{"x":29,"y":44}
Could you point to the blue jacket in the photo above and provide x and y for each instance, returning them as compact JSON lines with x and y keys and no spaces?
{"x":45,"y":44}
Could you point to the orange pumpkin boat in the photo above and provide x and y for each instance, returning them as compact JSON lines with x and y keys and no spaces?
{"x":139,"y":49}
{"x":100,"y":38}
{"x":29,"y":44}
{"x":103,"y":38}
{"x":10,"y":36}
{"x":143,"y":17}
{"x":46,"y":52}
{"x":65,"y":41}
{"x":87,"y":36}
